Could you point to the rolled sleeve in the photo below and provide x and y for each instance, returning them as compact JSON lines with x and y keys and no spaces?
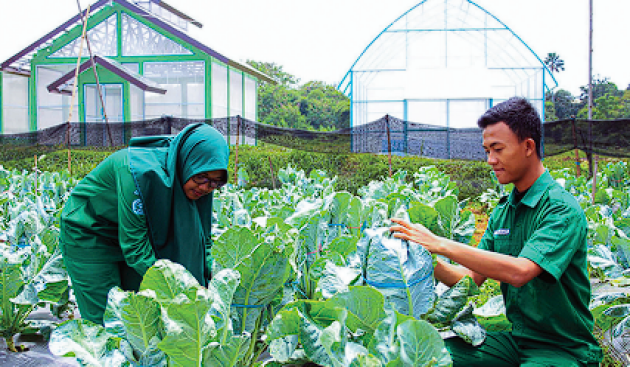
{"x":555,"y":241}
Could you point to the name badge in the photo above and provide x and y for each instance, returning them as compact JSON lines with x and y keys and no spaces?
{"x":502,"y":232}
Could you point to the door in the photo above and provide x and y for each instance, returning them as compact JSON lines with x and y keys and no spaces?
{"x":97,"y":132}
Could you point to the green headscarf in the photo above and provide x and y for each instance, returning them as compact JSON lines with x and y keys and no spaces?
{"x":179,"y":227}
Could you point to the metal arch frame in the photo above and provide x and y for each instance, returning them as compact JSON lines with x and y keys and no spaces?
{"x":348,"y":80}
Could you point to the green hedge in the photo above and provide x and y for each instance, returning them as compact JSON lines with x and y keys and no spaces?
{"x":353,"y":170}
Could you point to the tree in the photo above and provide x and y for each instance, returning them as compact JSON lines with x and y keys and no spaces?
{"x":601,"y":87}
{"x":312,"y":106}
{"x":555,"y":65}
{"x":625,"y":100}
{"x":275,"y":72}
{"x":564,"y":103}
{"x":606,"y":107}
{"x":554,"y":62}
{"x":550,"y":112}
{"x":286,"y":116}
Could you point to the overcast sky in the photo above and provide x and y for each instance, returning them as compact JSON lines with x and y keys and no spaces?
{"x":319,"y":40}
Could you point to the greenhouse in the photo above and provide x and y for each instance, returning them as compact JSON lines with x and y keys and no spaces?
{"x":140,"y":56}
{"x":443,"y":63}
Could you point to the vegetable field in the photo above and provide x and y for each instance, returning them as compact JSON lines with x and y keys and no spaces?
{"x":305,"y":273}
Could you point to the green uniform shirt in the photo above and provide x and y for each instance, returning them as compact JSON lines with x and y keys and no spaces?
{"x":103,"y":221}
{"x":548,"y":227}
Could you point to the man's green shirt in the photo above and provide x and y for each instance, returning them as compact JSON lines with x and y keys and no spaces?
{"x":548,"y":227}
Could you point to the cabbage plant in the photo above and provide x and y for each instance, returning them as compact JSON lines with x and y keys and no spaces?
{"x":172,"y":321}
{"x":32,"y":274}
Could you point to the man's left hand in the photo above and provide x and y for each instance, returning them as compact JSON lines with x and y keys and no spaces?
{"x":417,"y":233}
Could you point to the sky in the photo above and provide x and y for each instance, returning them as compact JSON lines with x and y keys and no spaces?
{"x":320,"y":40}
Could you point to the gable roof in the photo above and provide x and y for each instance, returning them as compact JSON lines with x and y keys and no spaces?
{"x":20,"y":62}
{"x":60,"y":85}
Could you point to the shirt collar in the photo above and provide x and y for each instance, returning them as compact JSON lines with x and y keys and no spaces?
{"x":535,"y":192}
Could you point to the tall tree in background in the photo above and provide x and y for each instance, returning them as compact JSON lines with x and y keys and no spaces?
{"x":609,"y":101}
{"x":555,"y":64}
{"x":564,"y":103}
{"x":275,"y":72}
{"x":601,"y":87}
{"x":312,"y":106}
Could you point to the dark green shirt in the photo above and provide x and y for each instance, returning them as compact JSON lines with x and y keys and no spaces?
{"x":104,"y":221}
{"x":548,"y":227}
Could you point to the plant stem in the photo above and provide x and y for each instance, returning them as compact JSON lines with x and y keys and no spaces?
{"x":10,"y":343}
{"x":257,"y":354}
{"x":252,"y":342}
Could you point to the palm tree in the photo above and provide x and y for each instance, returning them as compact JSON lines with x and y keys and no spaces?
{"x":555,"y":65}
{"x":554,"y":62}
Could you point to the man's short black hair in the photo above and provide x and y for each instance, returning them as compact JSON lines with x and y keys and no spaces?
{"x":519,"y":115}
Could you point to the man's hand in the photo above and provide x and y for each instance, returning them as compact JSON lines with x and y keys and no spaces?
{"x":419,"y":234}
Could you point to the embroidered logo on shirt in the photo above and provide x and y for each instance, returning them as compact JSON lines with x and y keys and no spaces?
{"x":137,"y":193}
{"x":502,"y":232}
{"x":137,"y":207}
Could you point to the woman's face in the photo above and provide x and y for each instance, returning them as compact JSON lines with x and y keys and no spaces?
{"x":203,"y":183}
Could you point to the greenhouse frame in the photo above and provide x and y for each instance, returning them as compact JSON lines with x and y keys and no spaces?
{"x":443,"y":63}
{"x":144,"y":62}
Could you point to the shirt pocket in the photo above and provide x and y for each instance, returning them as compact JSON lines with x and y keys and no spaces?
{"x":505,"y":244}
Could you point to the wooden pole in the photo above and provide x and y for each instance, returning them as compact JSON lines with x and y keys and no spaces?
{"x":76,"y":80}
{"x":98,"y":85}
{"x":577,"y":154}
{"x":594,"y":179}
{"x":590,"y":96}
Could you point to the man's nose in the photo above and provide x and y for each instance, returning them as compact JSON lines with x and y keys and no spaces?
{"x":492,"y":159}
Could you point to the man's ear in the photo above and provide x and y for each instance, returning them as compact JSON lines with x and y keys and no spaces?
{"x":530,"y":145}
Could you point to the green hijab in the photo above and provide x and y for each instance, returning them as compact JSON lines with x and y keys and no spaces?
{"x":179,"y":228}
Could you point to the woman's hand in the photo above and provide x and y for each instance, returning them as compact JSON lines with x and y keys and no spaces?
{"x":417,"y":233}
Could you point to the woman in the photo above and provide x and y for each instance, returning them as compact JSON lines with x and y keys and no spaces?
{"x":150,"y":201}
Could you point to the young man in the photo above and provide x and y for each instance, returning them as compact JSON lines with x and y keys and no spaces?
{"x":535,"y":245}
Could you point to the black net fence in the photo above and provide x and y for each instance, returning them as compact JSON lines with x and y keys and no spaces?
{"x":387,"y":135}
{"x":603,"y":137}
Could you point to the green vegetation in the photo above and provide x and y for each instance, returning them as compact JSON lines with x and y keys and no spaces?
{"x":311,"y":106}
{"x":301,"y":210}
{"x":609,"y":102}
{"x":353,"y":170}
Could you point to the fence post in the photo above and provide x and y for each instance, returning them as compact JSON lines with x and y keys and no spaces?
{"x":273,"y":180}
{"x":169,"y":125}
{"x":68,"y":145}
{"x":238,"y":133}
{"x":589,"y":155}
{"x":406,"y":137}
{"x":389,"y":145}
{"x":575,"y":145}
{"x":594,"y":180}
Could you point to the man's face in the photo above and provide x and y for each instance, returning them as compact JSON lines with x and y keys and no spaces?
{"x":194,"y":191}
{"x":507,"y":156}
